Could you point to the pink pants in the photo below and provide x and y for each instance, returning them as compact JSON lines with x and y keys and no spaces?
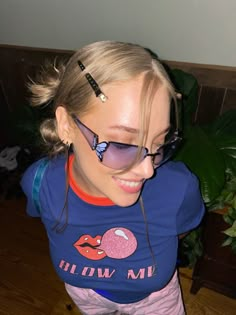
{"x":167,"y":301}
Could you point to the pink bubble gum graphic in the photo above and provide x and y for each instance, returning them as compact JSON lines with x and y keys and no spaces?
{"x":118,"y":243}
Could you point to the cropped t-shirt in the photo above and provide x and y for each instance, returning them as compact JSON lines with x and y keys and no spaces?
{"x":105,"y":247}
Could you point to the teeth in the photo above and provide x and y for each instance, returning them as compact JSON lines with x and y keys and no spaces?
{"x":129,"y":184}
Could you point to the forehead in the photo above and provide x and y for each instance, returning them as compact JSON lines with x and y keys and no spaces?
{"x":122,"y":107}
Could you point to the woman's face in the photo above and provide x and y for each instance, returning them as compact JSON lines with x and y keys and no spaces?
{"x":118,"y":120}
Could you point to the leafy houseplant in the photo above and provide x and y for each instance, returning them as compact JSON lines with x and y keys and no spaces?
{"x":208,"y":150}
{"x":24,"y":123}
{"x":225,"y":204}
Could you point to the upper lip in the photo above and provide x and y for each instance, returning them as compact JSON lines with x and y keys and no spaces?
{"x":131,"y":180}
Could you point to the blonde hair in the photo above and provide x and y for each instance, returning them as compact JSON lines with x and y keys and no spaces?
{"x":107,"y":62}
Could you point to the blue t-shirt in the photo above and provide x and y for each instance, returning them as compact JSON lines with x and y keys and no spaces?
{"x":105,"y":247}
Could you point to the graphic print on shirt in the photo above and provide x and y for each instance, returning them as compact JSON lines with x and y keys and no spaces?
{"x":117,"y":243}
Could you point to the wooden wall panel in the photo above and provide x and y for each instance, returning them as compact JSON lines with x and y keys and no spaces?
{"x":17,"y":64}
{"x":209,"y":75}
{"x":4,"y":106}
{"x":230,"y":100}
{"x":217,"y":91}
{"x":211,"y":98}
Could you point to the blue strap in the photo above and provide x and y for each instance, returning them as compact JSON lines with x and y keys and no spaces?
{"x":37,"y":183}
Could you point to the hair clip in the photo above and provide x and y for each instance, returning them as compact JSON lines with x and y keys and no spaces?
{"x":93,"y":83}
{"x":82,"y":67}
{"x":95,"y":87}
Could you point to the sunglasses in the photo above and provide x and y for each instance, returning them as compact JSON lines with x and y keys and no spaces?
{"x":118,"y":155}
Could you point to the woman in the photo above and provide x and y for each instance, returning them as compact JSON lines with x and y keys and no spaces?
{"x":112,"y":203}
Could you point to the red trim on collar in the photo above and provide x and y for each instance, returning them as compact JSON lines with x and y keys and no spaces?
{"x":97,"y":201}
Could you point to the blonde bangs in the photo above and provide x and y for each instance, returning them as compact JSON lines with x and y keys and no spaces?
{"x":151,"y":84}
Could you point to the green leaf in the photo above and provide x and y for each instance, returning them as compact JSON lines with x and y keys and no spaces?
{"x":230,"y":164}
{"x":229,"y":198}
{"x":234,"y":202}
{"x":24,"y":123}
{"x":230,"y":231}
{"x":228,"y":219}
{"x":198,"y":250}
{"x":222,"y":133}
{"x":226,"y":143}
{"x":227,"y":242}
{"x":187,"y":84}
{"x":232,"y":213}
{"x":205,"y":160}
{"x":184,"y":81}
{"x":224,"y":124}
{"x":233,"y":246}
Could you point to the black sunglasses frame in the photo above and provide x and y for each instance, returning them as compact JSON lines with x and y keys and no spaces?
{"x":101,"y":147}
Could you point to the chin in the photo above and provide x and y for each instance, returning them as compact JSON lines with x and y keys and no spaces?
{"x":126,"y":202}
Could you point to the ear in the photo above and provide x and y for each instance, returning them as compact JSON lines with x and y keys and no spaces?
{"x":64,"y":125}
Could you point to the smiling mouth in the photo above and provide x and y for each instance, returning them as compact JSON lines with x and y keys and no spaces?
{"x":129,"y":186}
{"x":130,"y":183}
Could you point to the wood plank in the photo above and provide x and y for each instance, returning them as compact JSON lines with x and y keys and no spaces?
{"x":205,"y":302}
{"x":230,"y":100}
{"x":210,"y":104}
{"x":209,"y":75}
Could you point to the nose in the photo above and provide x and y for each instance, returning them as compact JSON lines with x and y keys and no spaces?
{"x":145,"y":168}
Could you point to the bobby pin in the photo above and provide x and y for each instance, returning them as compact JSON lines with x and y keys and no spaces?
{"x":93,"y":83}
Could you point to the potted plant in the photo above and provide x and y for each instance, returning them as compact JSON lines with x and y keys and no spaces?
{"x":215,"y":269}
{"x":208,"y":150}
{"x":225,"y":205}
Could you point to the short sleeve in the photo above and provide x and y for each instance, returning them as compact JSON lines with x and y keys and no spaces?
{"x":192,"y":209}
{"x":30,"y":185}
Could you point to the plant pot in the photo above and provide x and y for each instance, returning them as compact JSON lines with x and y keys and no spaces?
{"x":216,"y":269}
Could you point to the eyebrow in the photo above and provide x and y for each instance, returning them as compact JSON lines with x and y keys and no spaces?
{"x":136,"y":131}
{"x":125,"y":128}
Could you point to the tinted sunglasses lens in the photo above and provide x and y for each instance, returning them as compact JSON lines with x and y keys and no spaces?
{"x":166,"y":152}
{"x":119,"y":155}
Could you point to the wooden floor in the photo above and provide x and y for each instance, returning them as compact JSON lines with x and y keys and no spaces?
{"x":29,"y":285}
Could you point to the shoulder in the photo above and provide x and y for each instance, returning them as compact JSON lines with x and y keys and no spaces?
{"x":175,"y":198}
{"x":50,"y":167}
{"x":169,"y":185}
{"x":44,"y":177}
{"x":172,"y":175}
{"x":174,"y":169}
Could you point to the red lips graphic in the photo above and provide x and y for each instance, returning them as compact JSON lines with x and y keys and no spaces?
{"x":87,"y":246}
{"x":117,"y":243}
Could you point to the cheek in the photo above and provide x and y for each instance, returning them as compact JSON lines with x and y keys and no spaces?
{"x":84,"y":155}
{"x":81,"y":147}
{"x":88,"y":163}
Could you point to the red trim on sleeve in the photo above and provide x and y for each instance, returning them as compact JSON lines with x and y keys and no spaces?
{"x":98,"y":201}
